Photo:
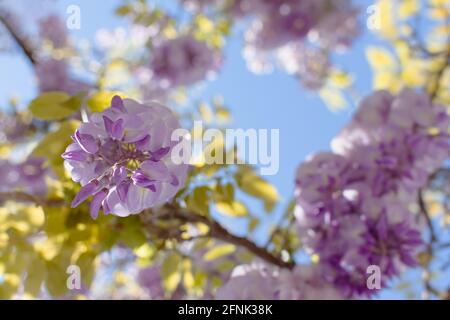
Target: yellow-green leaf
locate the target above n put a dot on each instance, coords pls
(53, 145)
(380, 58)
(256, 186)
(333, 98)
(233, 208)
(170, 272)
(100, 101)
(198, 200)
(35, 277)
(219, 251)
(55, 105)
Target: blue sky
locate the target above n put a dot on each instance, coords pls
(261, 102)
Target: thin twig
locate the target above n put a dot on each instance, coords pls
(21, 41)
(20, 196)
(440, 73)
(219, 232)
(426, 275)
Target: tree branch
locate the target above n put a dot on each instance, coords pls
(219, 232)
(440, 72)
(25, 197)
(21, 41)
(426, 275)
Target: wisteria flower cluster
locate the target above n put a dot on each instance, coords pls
(27, 176)
(52, 72)
(171, 63)
(14, 128)
(150, 279)
(121, 157)
(52, 29)
(53, 75)
(353, 204)
(264, 282)
(182, 61)
(317, 27)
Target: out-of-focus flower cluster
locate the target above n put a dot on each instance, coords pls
(182, 61)
(121, 157)
(53, 30)
(52, 67)
(28, 176)
(14, 128)
(53, 75)
(354, 204)
(263, 282)
(298, 35)
(167, 64)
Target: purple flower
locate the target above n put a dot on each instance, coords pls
(405, 137)
(338, 28)
(299, 35)
(263, 282)
(277, 29)
(311, 65)
(255, 281)
(150, 279)
(353, 205)
(14, 128)
(53, 29)
(53, 75)
(121, 157)
(305, 283)
(28, 176)
(182, 61)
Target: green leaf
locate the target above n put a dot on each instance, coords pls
(219, 251)
(56, 279)
(100, 101)
(132, 234)
(233, 208)
(170, 272)
(123, 10)
(54, 105)
(53, 145)
(333, 98)
(35, 277)
(257, 187)
(86, 262)
(55, 220)
(188, 276)
(253, 223)
(198, 200)
(224, 192)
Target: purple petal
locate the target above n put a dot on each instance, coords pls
(108, 124)
(119, 174)
(96, 203)
(175, 182)
(74, 155)
(115, 129)
(86, 142)
(118, 129)
(85, 192)
(143, 143)
(160, 153)
(117, 103)
(122, 190)
(383, 227)
(155, 170)
(106, 208)
(140, 179)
